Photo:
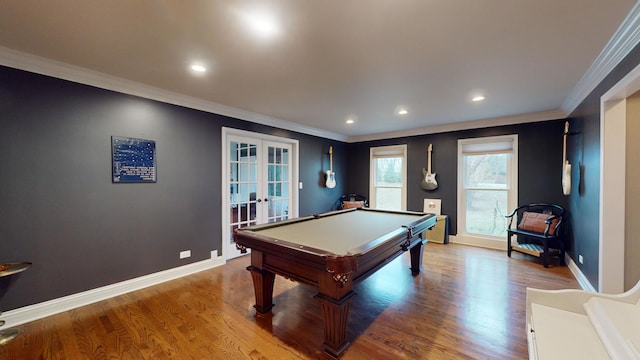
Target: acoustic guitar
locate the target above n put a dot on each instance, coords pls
(566, 166)
(429, 179)
(331, 176)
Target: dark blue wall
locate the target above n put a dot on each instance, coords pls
(584, 152)
(60, 210)
(539, 164)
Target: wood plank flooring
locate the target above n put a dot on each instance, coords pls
(468, 303)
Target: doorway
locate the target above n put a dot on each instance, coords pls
(259, 184)
(614, 261)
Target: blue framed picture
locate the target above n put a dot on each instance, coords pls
(133, 160)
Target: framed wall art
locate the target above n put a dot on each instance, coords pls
(133, 160)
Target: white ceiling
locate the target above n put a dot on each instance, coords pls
(333, 59)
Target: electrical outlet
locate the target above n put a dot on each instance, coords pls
(185, 254)
(580, 259)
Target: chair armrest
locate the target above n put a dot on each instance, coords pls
(510, 216)
(557, 228)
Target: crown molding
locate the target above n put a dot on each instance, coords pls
(623, 41)
(36, 64)
(465, 125)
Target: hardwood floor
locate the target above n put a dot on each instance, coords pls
(468, 303)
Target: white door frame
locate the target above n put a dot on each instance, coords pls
(613, 117)
(226, 133)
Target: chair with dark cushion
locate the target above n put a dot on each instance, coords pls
(538, 231)
(351, 201)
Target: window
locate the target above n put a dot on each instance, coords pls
(388, 178)
(487, 185)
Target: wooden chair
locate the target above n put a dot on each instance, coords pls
(351, 201)
(538, 230)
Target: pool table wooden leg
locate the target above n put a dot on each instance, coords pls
(263, 287)
(335, 314)
(416, 257)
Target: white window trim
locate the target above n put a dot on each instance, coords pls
(388, 151)
(486, 241)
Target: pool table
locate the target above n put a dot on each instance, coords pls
(333, 252)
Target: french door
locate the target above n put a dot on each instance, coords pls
(259, 184)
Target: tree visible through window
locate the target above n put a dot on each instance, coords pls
(488, 169)
(388, 177)
(388, 183)
(485, 182)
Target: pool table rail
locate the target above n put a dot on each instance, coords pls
(334, 275)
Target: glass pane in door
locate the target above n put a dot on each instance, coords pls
(243, 169)
(278, 198)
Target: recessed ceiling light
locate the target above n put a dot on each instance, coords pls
(349, 121)
(265, 25)
(261, 23)
(198, 68)
(477, 98)
(402, 112)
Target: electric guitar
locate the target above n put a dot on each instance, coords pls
(429, 179)
(566, 167)
(331, 176)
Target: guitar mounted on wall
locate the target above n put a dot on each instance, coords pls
(428, 178)
(331, 176)
(566, 166)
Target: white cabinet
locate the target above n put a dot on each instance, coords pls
(576, 324)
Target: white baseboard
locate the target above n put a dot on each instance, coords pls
(585, 284)
(479, 242)
(41, 310)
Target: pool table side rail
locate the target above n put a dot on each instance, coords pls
(381, 256)
(279, 223)
(411, 230)
(330, 213)
(416, 227)
(293, 253)
(255, 238)
(249, 238)
(300, 219)
(338, 212)
(392, 246)
(282, 254)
